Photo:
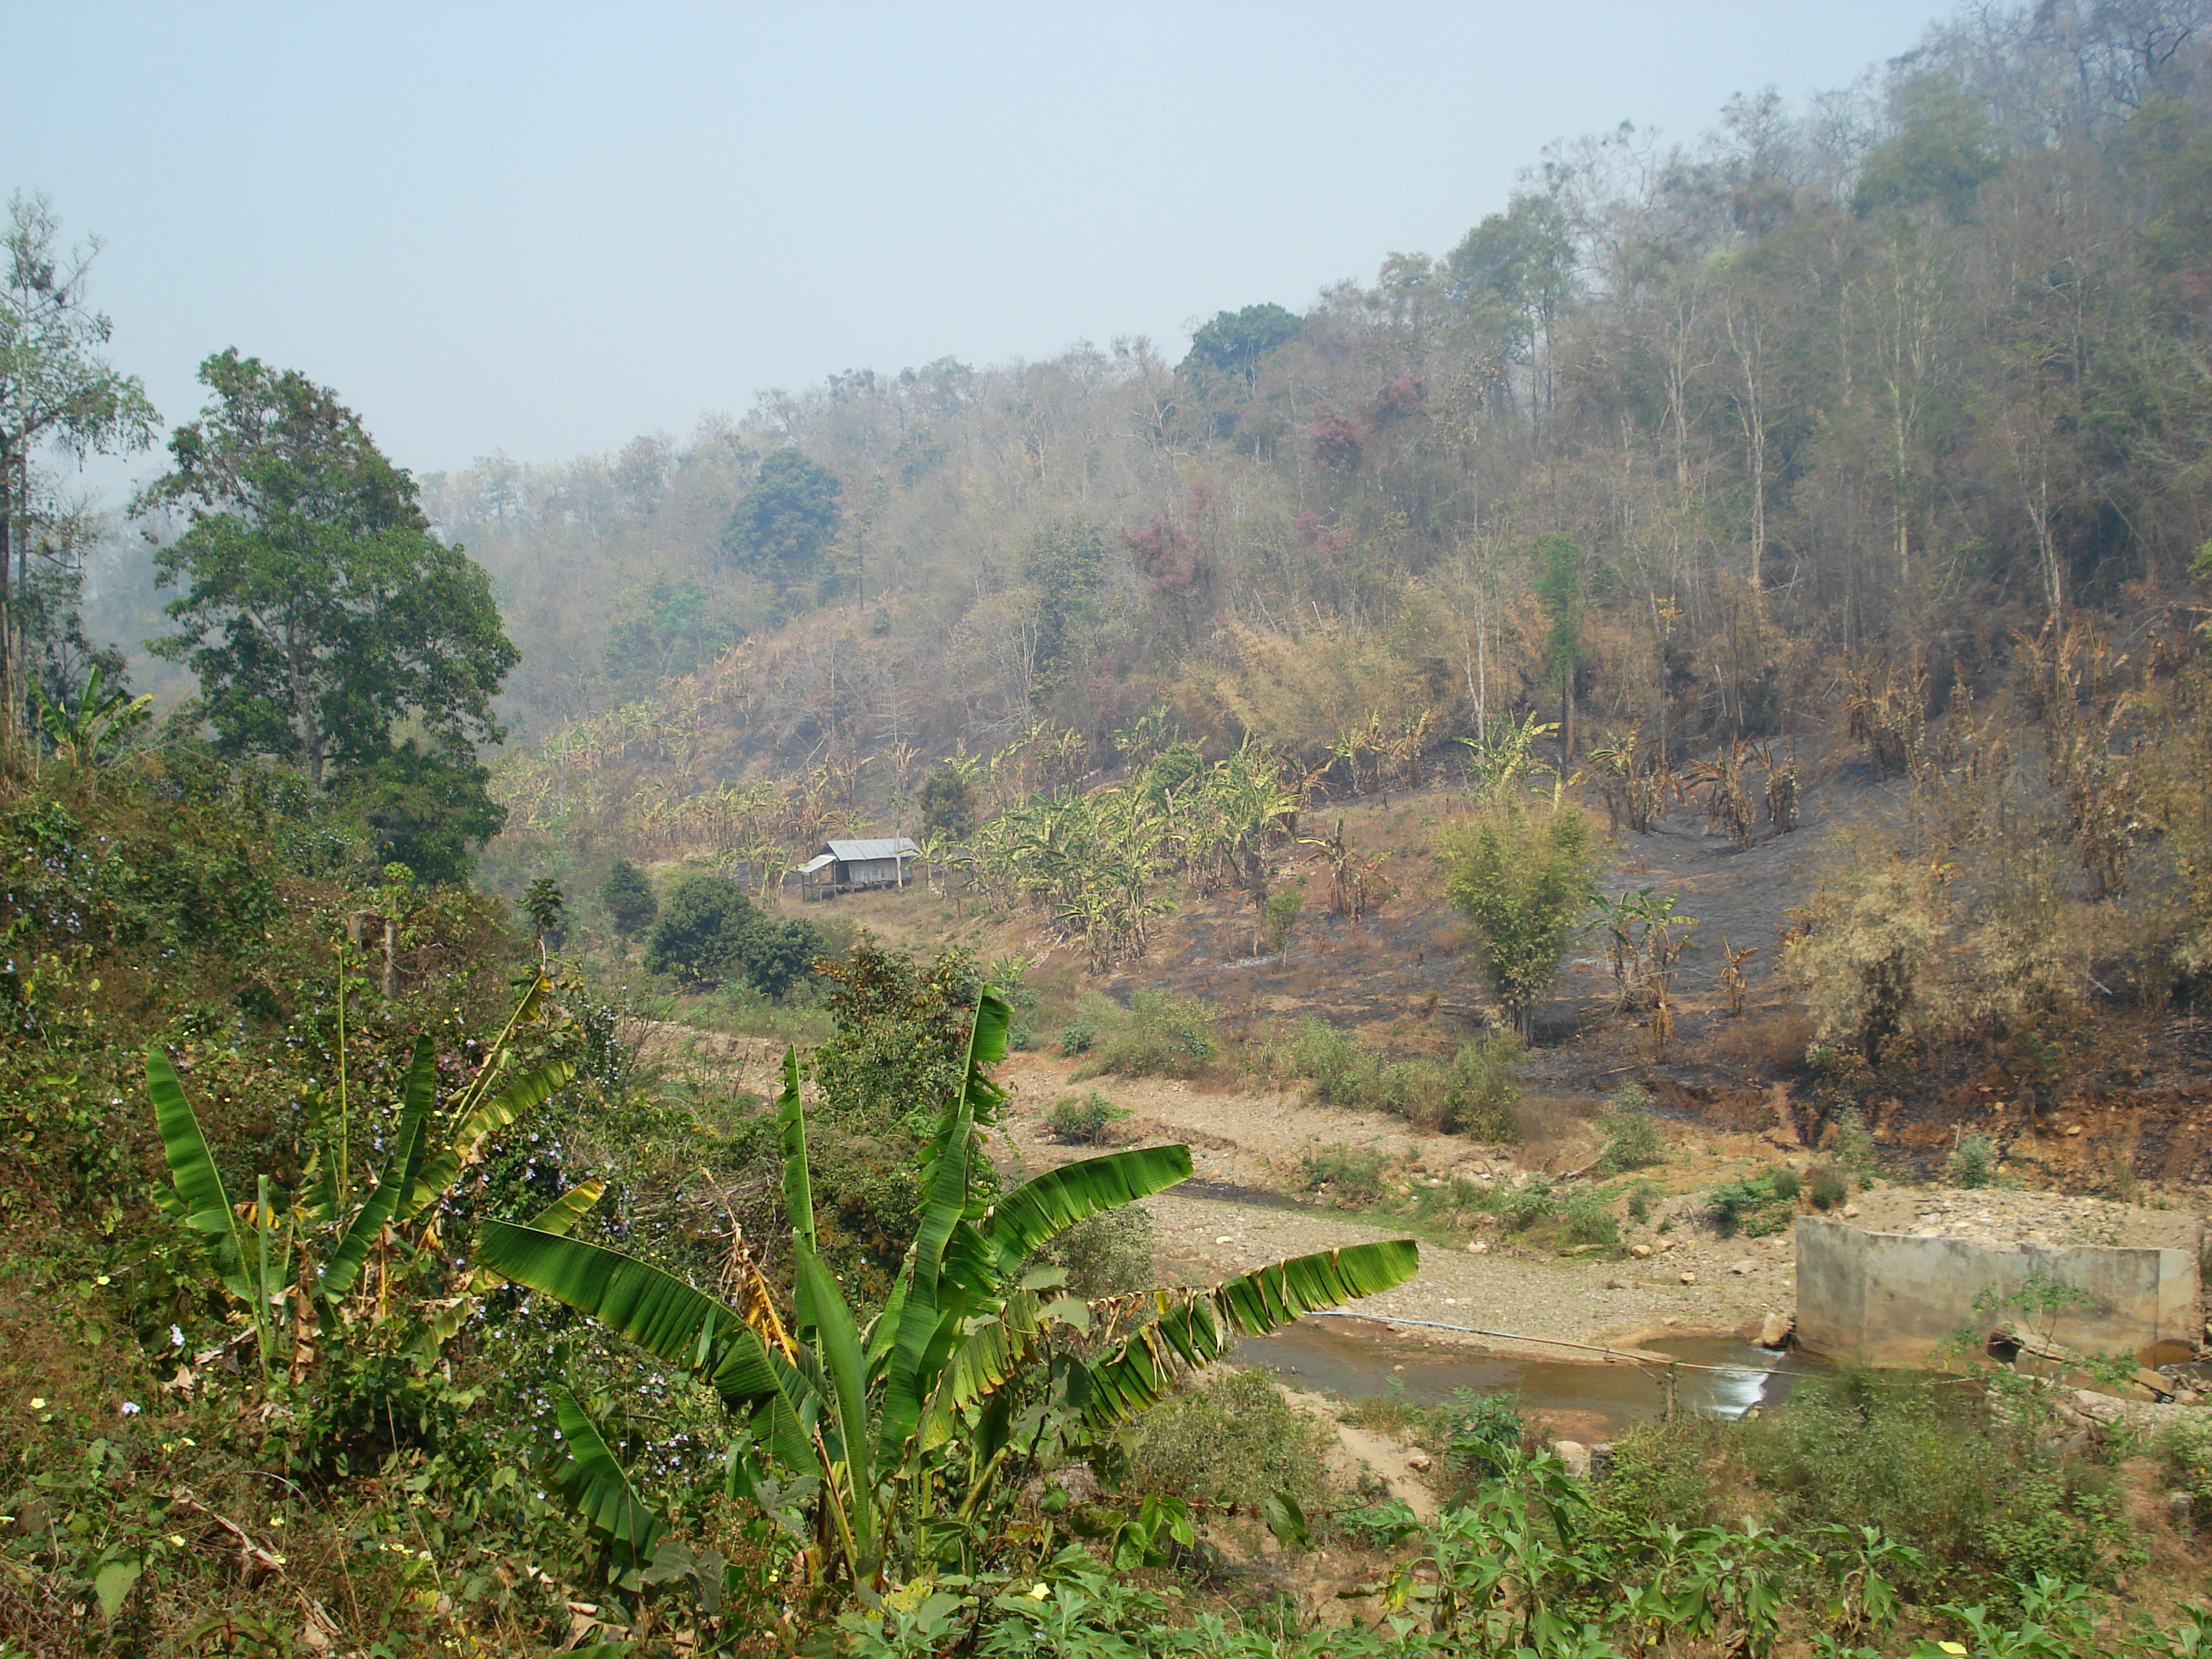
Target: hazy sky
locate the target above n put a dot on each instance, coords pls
(544, 228)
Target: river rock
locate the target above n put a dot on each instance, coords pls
(1744, 1267)
(1477, 1247)
(1689, 1279)
(1419, 1462)
(1639, 1251)
(1576, 1456)
(1774, 1332)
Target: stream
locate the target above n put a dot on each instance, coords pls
(1335, 1358)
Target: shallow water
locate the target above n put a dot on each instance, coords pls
(1333, 1357)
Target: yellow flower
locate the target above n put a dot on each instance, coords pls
(1038, 1592)
(37, 1404)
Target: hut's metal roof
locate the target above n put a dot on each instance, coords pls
(863, 852)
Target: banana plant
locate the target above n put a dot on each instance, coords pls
(253, 1246)
(905, 1427)
(98, 725)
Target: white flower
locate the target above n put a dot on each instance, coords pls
(130, 1408)
(176, 1337)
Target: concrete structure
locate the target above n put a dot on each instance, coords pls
(845, 867)
(1894, 1298)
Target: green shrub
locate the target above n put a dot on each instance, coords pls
(1755, 1206)
(1485, 1430)
(1668, 1474)
(1522, 876)
(1236, 1441)
(1082, 1120)
(1639, 1200)
(1975, 1162)
(1785, 1184)
(1109, 1253)
(1348, 1176)
(709, 931)
(1586, 1220)
(1632, 1138)
(1482, 1096)
(1826, 1186)
(1331, 1060)
(1161, 1034)
(1956, 1472)
(1855, 1143)
(1525, 1206)
(1471, 1094)
(1079, 1038)
(2187, 1451)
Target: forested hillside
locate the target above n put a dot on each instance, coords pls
(1865, 386)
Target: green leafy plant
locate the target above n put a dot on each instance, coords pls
(97, 728)
(1485, 1431)
(332, 1228)
(1974, 1163)
(1633, 1137)
(1522, 875)
(1344, 1174)
(1755, 1206)
(1084, 1120)
(897, 1443)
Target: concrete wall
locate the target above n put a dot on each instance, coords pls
(1894, 1299)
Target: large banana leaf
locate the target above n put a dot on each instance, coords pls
(592, 1480)
(1035, 1212)
(203, 1204)
(400, 1170)
(561, 1216)
(1196, 1329)
(928, 1322)
(840, 1343)
(798, 1187)
(995, 1350)
(654, 1310)
(441, 1170)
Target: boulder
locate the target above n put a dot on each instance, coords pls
(1576, 1456)
(1639, 1251)
(1774, 1331)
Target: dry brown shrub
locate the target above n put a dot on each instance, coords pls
(1760, 1042)
(1545, 1123)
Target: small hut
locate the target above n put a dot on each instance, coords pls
(847, 866)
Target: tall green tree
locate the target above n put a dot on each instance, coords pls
(54, 389)
(320, 611)
(783, 525)
(628, 894)
(1232, 344)
(1523, 874)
